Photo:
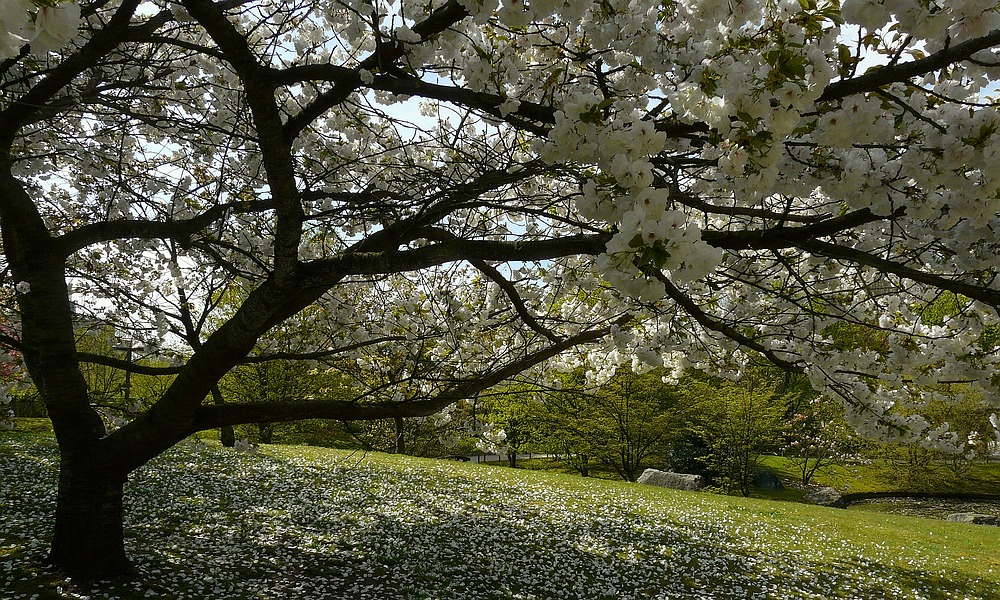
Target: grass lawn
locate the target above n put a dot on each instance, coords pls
(981, 478)
(308, 523)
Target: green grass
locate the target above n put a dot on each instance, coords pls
(31, 425)
(551, 465)
(981, 478)
(303, 522)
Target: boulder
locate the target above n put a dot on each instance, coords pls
(677, 481)
(974, 518)
(766, 480)
(826, 496)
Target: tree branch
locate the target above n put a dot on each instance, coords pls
(180, 230)
(515, 299)
(321, 272)
(275, 149)
(713, 324)
(347, 80)
(212, 416)
(124, 365)
(784, 237)
(26, 109)
(985, 295)
(881, 76)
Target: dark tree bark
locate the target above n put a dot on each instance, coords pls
(227, 435)
(400, 440)
(88, 542)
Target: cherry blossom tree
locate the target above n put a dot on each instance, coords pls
(678, 182)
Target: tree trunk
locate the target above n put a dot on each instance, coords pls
(400, 441)
(227, 435)
(89, 538)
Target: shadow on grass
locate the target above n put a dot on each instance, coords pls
(240, 527)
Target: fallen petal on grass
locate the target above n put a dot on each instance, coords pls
(300, 522)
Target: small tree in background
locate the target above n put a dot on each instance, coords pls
(740, 421)
(624, 424)
(511, 410)
(817, 436)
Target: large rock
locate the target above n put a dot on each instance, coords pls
(826, 496)
(677, 481)
(974, 518)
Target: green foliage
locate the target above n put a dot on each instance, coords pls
(513, 408)
(915, 467)
(118, 394)
(626, 424)
(276, 381)
(738, 421)
(875, 475)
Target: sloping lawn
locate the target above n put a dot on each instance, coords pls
(299, 523)
(979, 478)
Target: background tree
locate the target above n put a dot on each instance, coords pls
(686, 181)
(271, 381)
(739, 421)
(817, 436)
(511, 409)
(624, 424)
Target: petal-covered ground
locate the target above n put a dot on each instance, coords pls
(306, 523)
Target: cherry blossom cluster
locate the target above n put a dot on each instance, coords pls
(45, 26)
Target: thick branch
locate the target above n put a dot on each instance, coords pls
(210, 417)
(318, 273)
(214, 416)
(180, 230)
(124, 365)
(488, 103)
(985, 295)
(786, 237)
(881, 76)
(275, 149)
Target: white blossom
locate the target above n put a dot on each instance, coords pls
(55, 26)
(15, 26)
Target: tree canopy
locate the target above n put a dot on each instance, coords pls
(477, 187)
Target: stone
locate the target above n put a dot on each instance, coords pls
(766, 480)
(826, 496)
(677, 481)
(974, 518)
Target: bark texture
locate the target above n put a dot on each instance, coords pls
(88, 541)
